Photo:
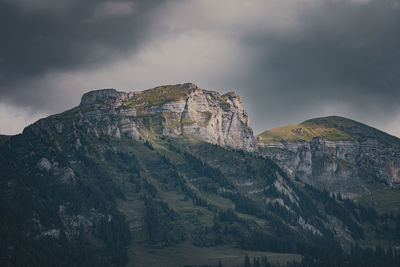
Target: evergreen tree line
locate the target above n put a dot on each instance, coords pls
(357, 257)
(161, 223)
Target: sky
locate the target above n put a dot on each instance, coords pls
(290, 60)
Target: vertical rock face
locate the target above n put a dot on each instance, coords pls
(217, 119)
(174, 111)
(101, 95)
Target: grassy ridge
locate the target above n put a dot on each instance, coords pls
(158, 96)
(302, 132)
(332, 128)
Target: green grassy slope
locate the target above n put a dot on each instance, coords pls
(158, 96)
(333, 128)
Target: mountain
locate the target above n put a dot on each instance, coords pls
(332, 128)
(170, 176)
(340, 155)
(173, 111)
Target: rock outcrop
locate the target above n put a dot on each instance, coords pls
(173, 110)
(366, 156)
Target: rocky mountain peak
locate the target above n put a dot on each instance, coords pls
(97, 95)
(335, 153)
(170, 110)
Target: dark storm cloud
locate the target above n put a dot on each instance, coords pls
(44, 35)
(339, 46)
(343, 55)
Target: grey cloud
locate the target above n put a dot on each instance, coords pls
(342, 54)
(113, 9)
(62, 35)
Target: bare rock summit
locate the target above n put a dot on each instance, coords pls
(171, 110)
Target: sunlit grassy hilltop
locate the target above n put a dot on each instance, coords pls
(333, 128)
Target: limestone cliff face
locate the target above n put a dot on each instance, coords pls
(341, 165)
(174, 111)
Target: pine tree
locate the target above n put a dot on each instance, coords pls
(246, 261)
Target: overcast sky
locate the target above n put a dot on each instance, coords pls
(290, 60)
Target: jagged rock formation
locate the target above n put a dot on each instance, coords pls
(173, 111)
(334, 153)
